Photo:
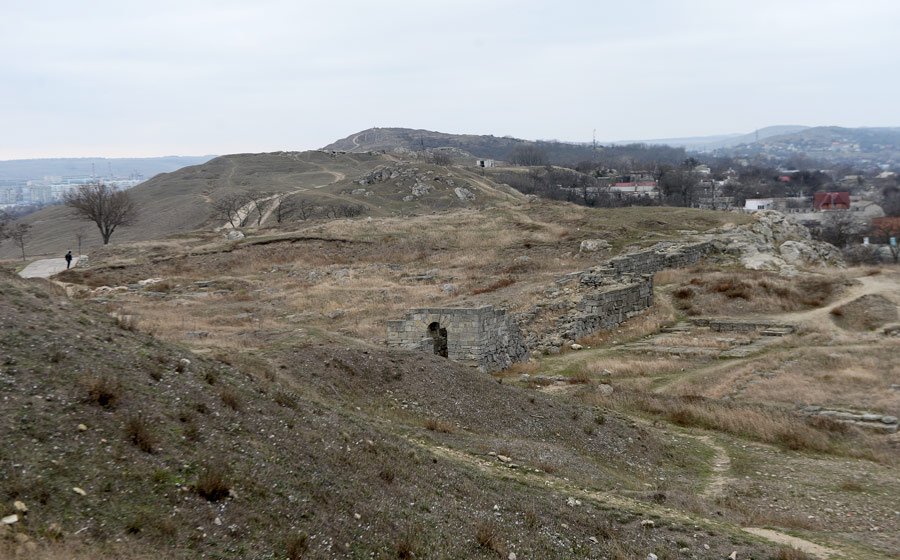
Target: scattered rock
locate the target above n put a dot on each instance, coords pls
(464, 194)
(20, 506)
(503, 458)
(647, 523)
(10, 519)
(605, 389)
(79, 491)
(576, 346)
(652, 556)
(234, 235)
(82, 428)
(593, 245)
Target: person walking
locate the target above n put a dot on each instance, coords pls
(68, 259)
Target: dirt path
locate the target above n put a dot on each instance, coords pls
(886, 284)
(814, 549)
(721, 465)
(248, 208)
(45, 268)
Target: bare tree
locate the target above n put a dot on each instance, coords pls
(20, 234)
(287, 206)
(103, 205)
(528, 154)
(230, 207)
(79, 237)
(304, 208)
(258, 200)
(838, 228)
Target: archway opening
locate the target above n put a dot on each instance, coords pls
(439, 338)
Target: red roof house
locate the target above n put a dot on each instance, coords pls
(831, 201)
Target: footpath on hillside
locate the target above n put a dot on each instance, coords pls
(45, 268)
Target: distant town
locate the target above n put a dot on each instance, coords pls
(52, 188)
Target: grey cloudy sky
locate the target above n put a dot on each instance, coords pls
(141, 78)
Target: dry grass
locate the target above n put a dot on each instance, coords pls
(435, 425)
(488, 536)
(103, 390)
(755, 422)
(634, 366)
(138, 430)
(789, 553)
(213, 483)
(231, 398)
(715, 293)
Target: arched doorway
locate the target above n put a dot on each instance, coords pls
(439, 337)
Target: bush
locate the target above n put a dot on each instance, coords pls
(213, 483)
(861, 254)
(296, 546)
(103, 390)
(138, 430)
(487, 535)
(230, 398)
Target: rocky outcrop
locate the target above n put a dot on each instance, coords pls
(775, 242)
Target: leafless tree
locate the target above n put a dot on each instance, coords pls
(288, 206)
(527, 154)
(838, 228)
(103, 205)
(258, 201)
(20, 233)
(229, 206)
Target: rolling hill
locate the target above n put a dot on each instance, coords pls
(348, 183)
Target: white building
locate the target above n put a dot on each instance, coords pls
(759, 204)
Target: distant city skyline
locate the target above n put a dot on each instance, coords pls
(140, 79)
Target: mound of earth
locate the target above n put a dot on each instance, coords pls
(865, 313)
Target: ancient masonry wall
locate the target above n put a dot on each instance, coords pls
(604, 297)
(481, 337)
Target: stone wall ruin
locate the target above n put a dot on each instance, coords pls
(577, 305)
(482, 337)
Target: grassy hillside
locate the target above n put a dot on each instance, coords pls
(181, 201)
(118, 447)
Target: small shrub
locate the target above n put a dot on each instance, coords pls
(789, 553)
(387, 474)
(285, 399)
(407, 545)
(138, 430)
(580, 378)
(230, 398)
(851, 486)
(683, 293)
(435, 425)
(501, 283)
(213, 483)
(103, 390)
(296, 546)
(487, 535)
(56, 355)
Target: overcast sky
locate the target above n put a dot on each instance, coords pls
(186, 77)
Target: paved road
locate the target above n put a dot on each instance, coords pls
(45, 268)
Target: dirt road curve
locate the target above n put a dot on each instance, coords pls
(45, 268)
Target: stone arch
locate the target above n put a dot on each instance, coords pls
(439, 337)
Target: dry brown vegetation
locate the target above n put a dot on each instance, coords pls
(756, 422)
(709, 292)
